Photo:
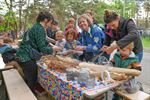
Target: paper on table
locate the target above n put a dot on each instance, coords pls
(2, 64)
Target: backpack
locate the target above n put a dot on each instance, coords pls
(9, 55)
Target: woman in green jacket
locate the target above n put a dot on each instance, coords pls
(37, 38)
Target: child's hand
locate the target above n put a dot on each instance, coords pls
(77, 52)
(80, 48)
(55, 48)
(70, 51)
(1, 44)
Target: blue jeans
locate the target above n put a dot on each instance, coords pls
(139, 56)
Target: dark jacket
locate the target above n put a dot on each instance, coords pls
(51, 33)
(125, 34)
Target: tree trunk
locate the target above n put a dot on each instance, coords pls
(25, 22)
(7, 4)
(137, 19)
(146, 20)
(11, 5)
(20, 14)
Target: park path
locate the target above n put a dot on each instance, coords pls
(145, 75)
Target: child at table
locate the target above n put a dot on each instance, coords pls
(71, 24)
(5, 44)
(125, 58)
(61, 42)
(72, 43)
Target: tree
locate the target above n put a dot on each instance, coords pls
(10, 14)
(25, 12)
(9, 4)
(64, 9)
(9, 23)
(30, 12)
(147, 10)
(130, 8)
(117, 6)
(20, 3)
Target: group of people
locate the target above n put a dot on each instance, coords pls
(47, 38)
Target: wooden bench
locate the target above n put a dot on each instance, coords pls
(139, 95)
(16, 88)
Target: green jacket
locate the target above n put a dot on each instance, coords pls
(37, 36)
(118, 62)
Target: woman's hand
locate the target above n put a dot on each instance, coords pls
(111, 48)
(50, 40)
(104, 48)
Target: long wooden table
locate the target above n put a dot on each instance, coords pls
(60, 88)
(96, 92)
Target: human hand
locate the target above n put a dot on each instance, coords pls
(78, 52)
(51, 44)
(111, 48)
(70, 51)
(80, 48)
(1, 44)
(50, 40)
(104, 48)
(56, 49)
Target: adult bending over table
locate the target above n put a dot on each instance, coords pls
(37, 37)
(124, 33)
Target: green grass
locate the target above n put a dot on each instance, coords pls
(146, 42)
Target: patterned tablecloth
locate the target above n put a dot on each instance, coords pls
(55, 83)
